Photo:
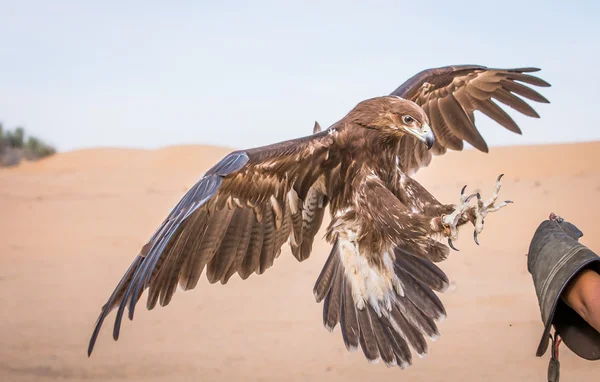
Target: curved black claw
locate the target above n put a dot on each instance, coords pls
(499, 177)
(452, 245)
(475, 237)
(470, 196)
(462, 192)
(508, 201)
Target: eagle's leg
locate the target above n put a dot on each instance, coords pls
(446, 217)
(452, 221)
(483, 208)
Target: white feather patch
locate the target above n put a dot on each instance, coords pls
(293, 201)
(371, 285)
(277, 211)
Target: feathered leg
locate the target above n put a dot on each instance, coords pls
(417, 198)
(476, 214)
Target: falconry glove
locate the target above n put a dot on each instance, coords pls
(555, 256)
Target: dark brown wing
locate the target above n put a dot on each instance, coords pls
(450, 95)
(234, 220)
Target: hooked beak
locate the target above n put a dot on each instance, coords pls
(424, 134)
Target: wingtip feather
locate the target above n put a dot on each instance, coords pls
(391, 364)
(329, 328)
(441, 318)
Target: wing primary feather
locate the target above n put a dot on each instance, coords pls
(157, 243)
(156, 277)
(523, 90)
(125, 280)
(529, 79)
(524, 70)
(459, 123)
(515, 102)
(489, 108)
(137, 284)
(441, 130)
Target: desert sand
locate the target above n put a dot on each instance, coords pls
(70, 226)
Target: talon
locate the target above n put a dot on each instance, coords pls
(508, 201)
(499, 177)
(452, 245)
(470, 196)
(463, 190)
(475, 237)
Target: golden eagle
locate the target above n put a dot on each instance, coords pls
(379, 280)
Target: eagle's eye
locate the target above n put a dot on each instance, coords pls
(408, 119)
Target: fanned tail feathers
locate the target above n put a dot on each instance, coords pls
(390, 320)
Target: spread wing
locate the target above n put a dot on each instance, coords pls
(235, 219)
(450, 95)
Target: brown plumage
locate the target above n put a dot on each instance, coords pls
(450, 95)
(379, 280)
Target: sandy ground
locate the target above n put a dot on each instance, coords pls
(70, 226)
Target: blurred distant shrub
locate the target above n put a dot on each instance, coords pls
(10, 157)
(16, 137)
(14, 146)
(35, 149)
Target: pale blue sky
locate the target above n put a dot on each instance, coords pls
(248, 73)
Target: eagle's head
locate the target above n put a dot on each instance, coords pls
(395, 117)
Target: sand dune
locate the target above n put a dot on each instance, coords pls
(70, 225)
